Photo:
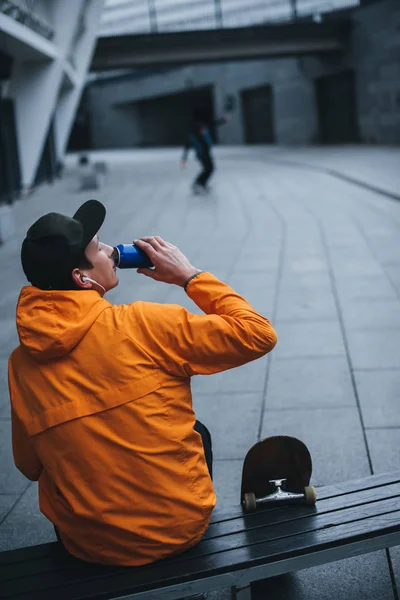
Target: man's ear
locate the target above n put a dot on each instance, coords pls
(77, 278)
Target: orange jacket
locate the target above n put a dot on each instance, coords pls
(102, 413)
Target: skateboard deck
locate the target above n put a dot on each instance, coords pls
(277, 469)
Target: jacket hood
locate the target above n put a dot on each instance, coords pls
(51, 323)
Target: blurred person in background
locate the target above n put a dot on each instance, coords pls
(201, 140)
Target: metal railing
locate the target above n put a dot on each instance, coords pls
(151, 16)
(26, 17)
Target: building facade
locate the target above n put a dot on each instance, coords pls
(45, 50)
(345, 97)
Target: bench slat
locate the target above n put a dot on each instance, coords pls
(127, 582)
(235, 511)
(263, 545)
(325, 492)
(295, 512)
(36, 562)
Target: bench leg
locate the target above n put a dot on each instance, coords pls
(241, 593)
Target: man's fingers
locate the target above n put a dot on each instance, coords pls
(153, 241)
(147, 248)
(161, 241)
(149, 273)
(148, 245)
(150, 240)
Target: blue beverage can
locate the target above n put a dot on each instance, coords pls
(129, 256)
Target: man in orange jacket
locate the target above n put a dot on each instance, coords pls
(101, 403)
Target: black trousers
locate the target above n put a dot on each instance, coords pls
(208, 168)
(207, 445)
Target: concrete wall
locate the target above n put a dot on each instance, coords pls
(112, 101)
(376, 58)
(373, 55)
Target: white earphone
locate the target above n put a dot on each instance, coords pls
(86, 278)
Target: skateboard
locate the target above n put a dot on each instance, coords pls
(277, 470)
(199, 190)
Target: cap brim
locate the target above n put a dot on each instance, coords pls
(91, 215)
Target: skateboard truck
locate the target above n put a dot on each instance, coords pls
(308, 496)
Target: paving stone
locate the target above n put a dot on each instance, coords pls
(374, 348)
(5, 411)
(8, 303)
(9, 337)
(6, 503)
(384, 447)
(344, 243)
(258, 262)
(393, 272)
(312, 305)
(206, 384)
(360, 287)
(295, 282)
(309, 339)
(365, 577)
(385, 246)
(378, 393)
(333, 437)
(227, 478)
(367, 314)
(247, 378)
(371, 166)
(233, 421)
(4, 393)
(307, 264)
(11, 480)
(306, 383)
(258, 290)
(348, 269)
(25, 525)
(395, 557)
(245, 282)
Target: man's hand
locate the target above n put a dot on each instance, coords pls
(170, 264)
(183, 164)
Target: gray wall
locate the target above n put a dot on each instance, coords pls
(374, 55)
(112, 102)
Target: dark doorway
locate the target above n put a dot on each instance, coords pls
(47, 168)
(167, 120)
(10, 178)
(337, 112)
(81, 133)
(258, 115)
(5, 66)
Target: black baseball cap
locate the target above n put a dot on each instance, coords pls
(55, 244)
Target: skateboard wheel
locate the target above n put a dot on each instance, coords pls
(250, 503)
(310, 495)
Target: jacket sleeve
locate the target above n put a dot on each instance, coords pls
(25, 457)
(230, 334)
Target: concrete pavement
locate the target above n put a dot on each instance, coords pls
(319, 256)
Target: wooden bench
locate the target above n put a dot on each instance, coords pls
(349, 519)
